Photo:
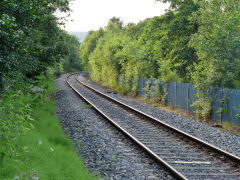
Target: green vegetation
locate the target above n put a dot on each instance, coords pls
(194, 41)
(34, 49)
(88, 106)
(159, 96)
(203, 105)
(72, 61)
(147, 90)
(217, 44)
(238, 112)
(47, 153)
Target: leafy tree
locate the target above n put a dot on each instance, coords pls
(89, 45)
(217, 44)
(117, 21)
(174, 4)
(104, 67)
(72, 62)
(30, 36)
(165, 39)
(178, 33)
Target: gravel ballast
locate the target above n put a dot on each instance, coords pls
(217, 137)
(170, 147)
(103, 149)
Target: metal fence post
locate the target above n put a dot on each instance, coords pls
(175, 94)
(221, 104)
(187, 98)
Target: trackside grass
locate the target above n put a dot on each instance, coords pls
(46, 152)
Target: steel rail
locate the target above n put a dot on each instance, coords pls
(155, 156)
(226, 154)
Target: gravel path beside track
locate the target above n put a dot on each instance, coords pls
(103, 149)
(226, 141)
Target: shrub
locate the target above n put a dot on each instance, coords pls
(147, 90)
(203, 106)
(238, 112)
(15, 118)
(16, 105)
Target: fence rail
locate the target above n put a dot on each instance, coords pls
(183, 95)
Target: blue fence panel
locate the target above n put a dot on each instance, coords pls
(153, 88)
(140, 87)
(118, 79)
(171, 94)
(227, 114)
(182, 96)
(232, 98)
(192, 93)
(144, 84)
(216, 104)
(163, 84)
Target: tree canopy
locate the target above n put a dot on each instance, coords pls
(217, 44)
(195, 41)
(30, 37)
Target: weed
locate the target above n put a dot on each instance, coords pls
(116, 157)
(203, 106)
(223, 105)
(135, 83)
(88, 106)
(238, 112)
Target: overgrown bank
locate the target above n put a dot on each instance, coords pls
(43, 151)
(33, 48)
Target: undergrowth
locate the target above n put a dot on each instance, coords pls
(33, 144)
(147, 90)
(203, 106)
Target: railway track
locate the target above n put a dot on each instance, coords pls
(184, 155)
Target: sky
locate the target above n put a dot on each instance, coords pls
(93, 14)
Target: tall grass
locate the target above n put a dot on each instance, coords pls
(44, 151)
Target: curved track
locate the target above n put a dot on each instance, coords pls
(184, 155)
